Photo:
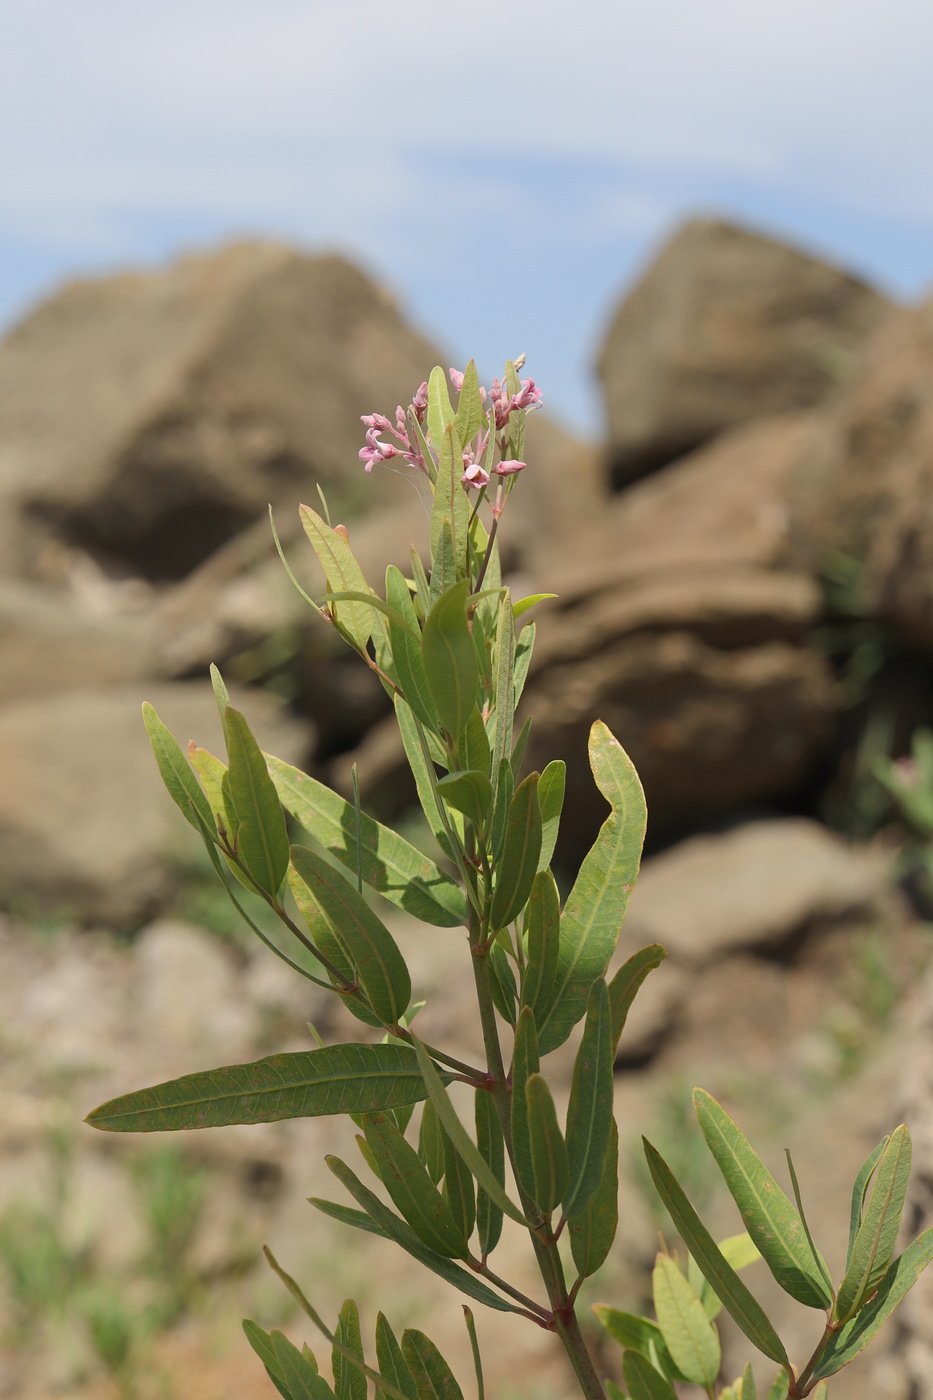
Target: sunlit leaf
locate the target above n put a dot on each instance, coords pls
(390, 1359)
(551, 799)
(450, 660)
(177, 775)
(877, 1235)
(262, 836)
(433, 1377)
(691, 1338)
(517, 866)
(342, 572)
(897, 1282)
(589, 1113)
(416, 1197)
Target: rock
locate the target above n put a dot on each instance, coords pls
(149, 416)
(85, 823)
(866, 486)
(759, 886)
(725, 325)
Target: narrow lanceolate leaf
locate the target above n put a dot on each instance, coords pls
(468, 792)
(741, 1305)
(627, 982)
(548, 1150)
(518, 864)
(380, 966)
(691, 1338)
(779, 1386)
(524, 646)
(860, 1191)
(221, 695)
(263, 1346)
(450, 659)
(211, 772)
(505, 787)
(551, 799)
(473, 748)
(416, 1198)
(589, 1113)
(738, 1251)
(431, 1142)
(542, 932)
(440, 410)
(639, 1334)
(769, 1217)
(459, 1191)
(593, 1230)
(299, 1373)
(642, 1381)
(877, 1235)
(451, 507)
(491, 1144)
(746, 1389)
(406, 649)
(302, 1084)
(596, 906)
(346, 1215)
(900, 1278)
(177, 775)
(390, 864)
(525, 1063)
(433, 1377)
(390, 1359)
(418, 763)
(342, 572)
(349, 1380)
(460, 1137)
(398, 1230)
(502, 986)
(262, 837)
(470, 415)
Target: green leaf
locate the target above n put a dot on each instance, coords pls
(517, 866)
(746, 1388)
(403, 1235)
(458, 1189)
(221, 695)
(418, 763)
(639, 1334)
(390, 1359)
(860, 1191)
(431, 1142)
(211, 772)
(381, 968)
(299, 1374)
(779, 1386)
(450, 659)
(262, 1345)
(502, 983)
(739, 1251)
(416, 1197)
(877, 1235)
(521, 744)
(468, 792)
(642, 1381)
(346, 1215)
(596, 906)
(542, 930)
(369, 599)
(502, 685)
(406, 649)
(525, 1063)
(769, 1217)
(548, 1150)
(262, 837)
(550, 799)
(349, 1380)
(745, 1310)
(473, 748)
(524, 604)
(524, 646)
(451, 508)
(470, 414)
(505, 787)
(390, 864)
(589, 1114)
(459, 1136)
(845, 1345)
(691, 1338)
(177, 775)
(301, 1084)
(491, 1145)
(433, 1377)
(440, 411)
(593, 1229)
(627, 982)
(613, 1391)
(342, 572)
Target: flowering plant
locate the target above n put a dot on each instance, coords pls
(446, 646)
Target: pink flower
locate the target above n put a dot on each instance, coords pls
(529, 396)
(475, 475)
(509, 467)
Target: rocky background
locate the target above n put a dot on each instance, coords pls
(745, 579)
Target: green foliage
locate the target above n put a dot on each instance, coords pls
(445, 647)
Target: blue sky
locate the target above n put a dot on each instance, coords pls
(504, 167)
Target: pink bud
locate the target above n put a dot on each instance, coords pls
(475, 476)
(456, 378)
(420, 402)
(509, 468)
(341, 530)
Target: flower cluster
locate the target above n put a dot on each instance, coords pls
(378, 451)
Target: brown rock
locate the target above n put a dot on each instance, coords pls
(865, 488)
(86, 825)
(725, 325)
(151, 415)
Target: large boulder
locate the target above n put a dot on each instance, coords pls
(725, 325)
(86, 826)
(149, 416)
(865, 487)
